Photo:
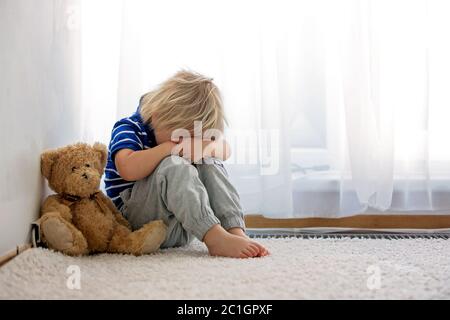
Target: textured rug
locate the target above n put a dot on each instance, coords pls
(297, 269)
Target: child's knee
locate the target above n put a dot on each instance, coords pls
(215, 168)
(175, 163)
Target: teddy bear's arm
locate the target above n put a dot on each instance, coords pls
(119, 218)
(53, 203)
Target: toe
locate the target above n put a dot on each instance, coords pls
(256, 251)
(261, 249)
(265, 251)
(248, 253)
(243, 255)
(253, 249)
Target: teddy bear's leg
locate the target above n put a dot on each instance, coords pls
(147, 239)
(61, 235)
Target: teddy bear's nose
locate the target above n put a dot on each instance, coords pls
(85, 176)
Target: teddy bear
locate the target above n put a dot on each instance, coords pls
(79, 219)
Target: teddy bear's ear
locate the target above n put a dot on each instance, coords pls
(48, 158)
(100, 148)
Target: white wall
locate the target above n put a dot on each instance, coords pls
(39, 98)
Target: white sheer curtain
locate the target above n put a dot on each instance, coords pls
(335, 107)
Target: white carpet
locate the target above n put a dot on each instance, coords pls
(297, 269)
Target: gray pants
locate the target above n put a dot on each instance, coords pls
(190, 199)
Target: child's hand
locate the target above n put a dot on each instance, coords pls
(192, 149)
(195, 149)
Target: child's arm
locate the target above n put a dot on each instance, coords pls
(136, 165)
(219, 149)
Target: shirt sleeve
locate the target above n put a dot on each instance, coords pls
(124, 136)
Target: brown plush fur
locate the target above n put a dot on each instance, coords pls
(80, 219)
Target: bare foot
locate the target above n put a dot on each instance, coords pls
(240, 233)
(224, 244)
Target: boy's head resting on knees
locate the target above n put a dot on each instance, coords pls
(181, 101)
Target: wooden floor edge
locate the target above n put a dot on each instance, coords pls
(13, 253)
(358, 222)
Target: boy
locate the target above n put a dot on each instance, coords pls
(154, 174)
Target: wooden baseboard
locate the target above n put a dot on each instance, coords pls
(358, 222)
(13, 253)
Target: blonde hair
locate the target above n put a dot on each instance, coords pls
(182, 99)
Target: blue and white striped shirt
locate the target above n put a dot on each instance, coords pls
(128, 133)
